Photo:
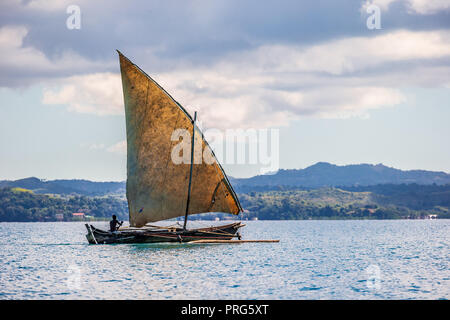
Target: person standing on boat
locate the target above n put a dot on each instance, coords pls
(114, 224)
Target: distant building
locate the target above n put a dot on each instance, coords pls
(432, 216)
(59, 216)
(78, 216)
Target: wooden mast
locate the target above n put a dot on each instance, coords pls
(190, 172)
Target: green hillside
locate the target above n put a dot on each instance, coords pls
(376, 202)
(18, 204)
(324, 174)
(371, 202)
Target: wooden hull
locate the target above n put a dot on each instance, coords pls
(160, 234)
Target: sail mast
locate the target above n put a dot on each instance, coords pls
(190, 172)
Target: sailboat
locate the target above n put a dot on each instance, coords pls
(158, 189)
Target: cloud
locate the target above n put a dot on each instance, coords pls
(255, 88)
(246, 106)
(42, 5)
(258, 106)
(429, 6)
(98, 93)
(266, 84)
(274, 84)
(22, 65)
(119, 148)
(350, 54)
(48, 50)
(96, 146)
(50, 5)
(424, 7)
(17, 58)
(382, 4)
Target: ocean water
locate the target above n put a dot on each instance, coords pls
(400, 259)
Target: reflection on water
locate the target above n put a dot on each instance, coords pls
(314, 260)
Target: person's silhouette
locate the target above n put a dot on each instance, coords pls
(114, 224)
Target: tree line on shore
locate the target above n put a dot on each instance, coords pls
(21, 205)
(387, 201)
(384, 201)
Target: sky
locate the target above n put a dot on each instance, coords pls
(344, 82)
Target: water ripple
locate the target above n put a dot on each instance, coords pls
(314, 260)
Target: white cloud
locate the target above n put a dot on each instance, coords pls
(272, 85)
(119, 148)
(350, 54)
(29, 64)
(96, 146)
(252, 106)
(14, 56)
(383, 4)
(42, 5)
(429, 6)
(256, 88)
(12, 36)
(98, 93)
(424, 7)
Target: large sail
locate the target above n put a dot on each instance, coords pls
(157, 187)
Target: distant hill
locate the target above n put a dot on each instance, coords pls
(22, 205)
(321, 191)
(321, 174)
(67, 187)
(324, 174)
(387, 201)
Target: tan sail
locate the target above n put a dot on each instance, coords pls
(157, 187)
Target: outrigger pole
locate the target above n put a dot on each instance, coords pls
(190, 172)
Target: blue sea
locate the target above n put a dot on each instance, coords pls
(399, 259)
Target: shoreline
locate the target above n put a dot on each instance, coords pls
(349, 219)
